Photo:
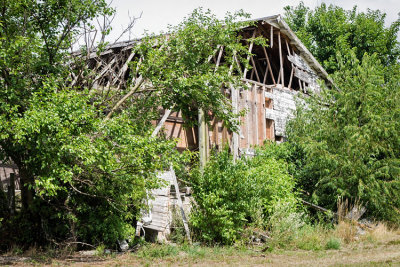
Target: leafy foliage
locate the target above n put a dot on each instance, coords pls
(231, 195)
(331, 30)
(349, 139)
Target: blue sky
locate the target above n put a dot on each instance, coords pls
(156, 15)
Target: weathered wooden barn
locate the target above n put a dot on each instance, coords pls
(279, 72)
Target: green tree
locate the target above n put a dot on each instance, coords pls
(348, 138)
(331, 30)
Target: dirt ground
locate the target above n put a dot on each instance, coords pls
(384, 254)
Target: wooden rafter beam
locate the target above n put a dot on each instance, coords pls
(269, 65)
(124, 68)
(255, 68)
(250, 50)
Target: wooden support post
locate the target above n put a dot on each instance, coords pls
(180, 204)
(263, 115)
(248, 116)
(234, 98)
(202, 139)
(271, 39)
(11, 194)
(203, 131)
(255, 114)
(235, 136)
(280, 59)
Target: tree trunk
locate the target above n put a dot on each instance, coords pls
(27, 193)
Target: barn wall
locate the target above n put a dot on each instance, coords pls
(282, 108)
(268, 111)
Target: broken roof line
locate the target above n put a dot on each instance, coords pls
(278, 22)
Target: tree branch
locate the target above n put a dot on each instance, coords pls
(131, 92)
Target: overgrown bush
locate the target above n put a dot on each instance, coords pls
(349, 141)
(231, 195)
(91, 175)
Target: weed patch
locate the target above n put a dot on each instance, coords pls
(333, 243)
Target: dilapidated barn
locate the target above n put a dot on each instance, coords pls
(279, 72)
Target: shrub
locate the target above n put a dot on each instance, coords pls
(231, 195)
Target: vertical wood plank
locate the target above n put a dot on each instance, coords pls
(281, 59)
(263, 114)
(202, 139)
(255, 116)
(235, 135)
(271, 39)
(248, 118)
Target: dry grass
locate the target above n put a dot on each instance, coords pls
(381, 233)
(346, 231)
(350, 230)
(379, 255)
